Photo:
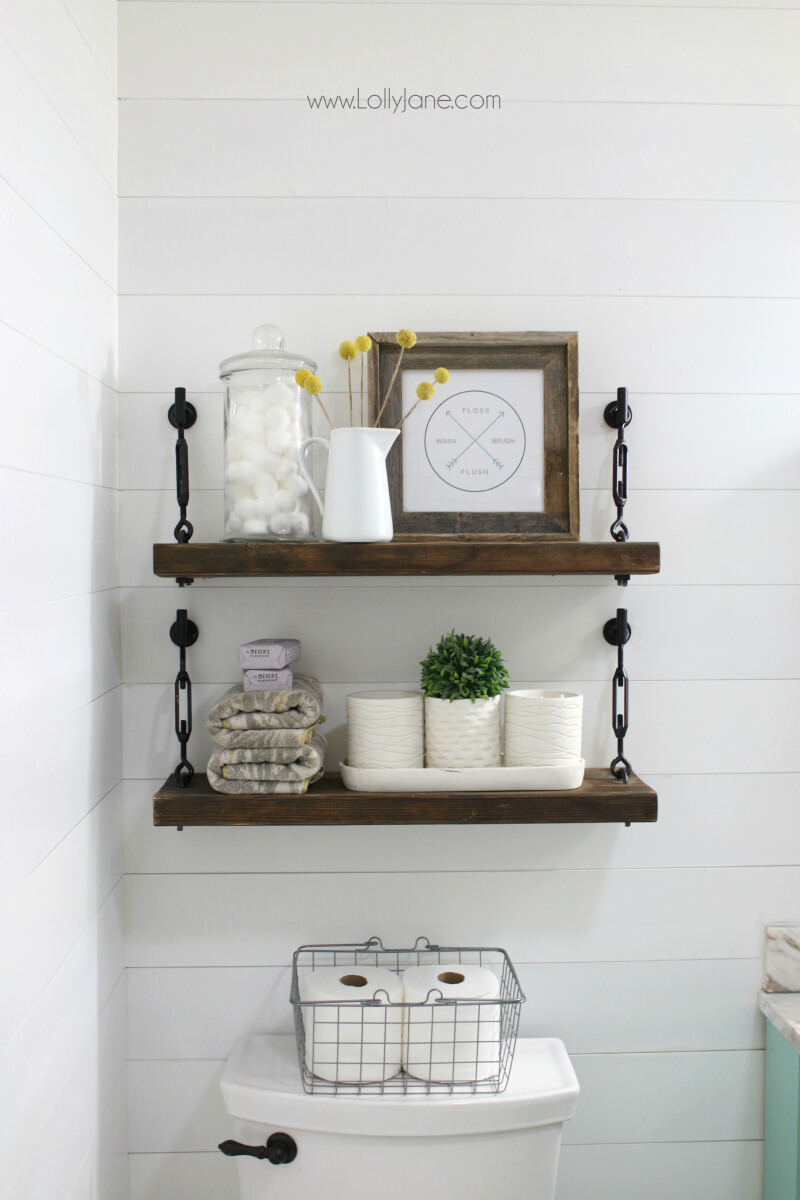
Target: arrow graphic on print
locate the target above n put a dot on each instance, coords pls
(475, 441)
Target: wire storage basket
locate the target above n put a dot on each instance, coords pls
(393, 1038)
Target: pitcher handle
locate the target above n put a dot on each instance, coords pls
(301, 456)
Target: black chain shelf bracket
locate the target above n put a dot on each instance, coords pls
(618, 415)
(617, 632)
(182, 416)
(183, 633)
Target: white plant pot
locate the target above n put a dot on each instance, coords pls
(384, 729)
(542, 729)
(462, 733)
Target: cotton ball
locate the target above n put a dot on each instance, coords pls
(281, 524)
(234, 524)
(280, 393)
(256, 452)
(278, 440)
(301, 526)
(266, 506)
(259, 403)
(246, 507)
(247, 423)
(234, 446)
(285, 501)
(277, 418)
(238, 491)
(242, 472)
(266, 487)
(255, 525)
(286, 467)
(296, 485)
(247, 398)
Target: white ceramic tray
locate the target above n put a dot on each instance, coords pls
(563, 778)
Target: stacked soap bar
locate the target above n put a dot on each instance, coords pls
(265, 664)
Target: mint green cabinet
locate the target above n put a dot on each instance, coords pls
(782, 1119)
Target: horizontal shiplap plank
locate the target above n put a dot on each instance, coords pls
(177, 1106)
(77, 643)
(681, 152)
(707, 537)
(649, 54)
(52, 172)
(669, 1006)
(653, 345)
(81, 425)
(681, 633)
(38, 1062)
(685, 728)
(718, 809)
(74, 549)
(86, 1117)
(50, 294)
(672, 248)
(713, 1170)
(662, 457)
(540, 916)
(83, 748)
(97, 22)
(47, 914)
(54, 50)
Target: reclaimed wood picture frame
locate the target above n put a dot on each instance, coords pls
(495, 451)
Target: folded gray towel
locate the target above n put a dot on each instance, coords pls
(258, 772)
(267, 719)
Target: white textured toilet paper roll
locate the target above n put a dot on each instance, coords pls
(451, 1043)
(348, 1041)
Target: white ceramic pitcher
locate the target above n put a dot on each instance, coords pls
(357, 506)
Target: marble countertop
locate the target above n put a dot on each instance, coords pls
(783, 1010)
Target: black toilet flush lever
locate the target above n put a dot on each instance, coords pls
(279, 1149)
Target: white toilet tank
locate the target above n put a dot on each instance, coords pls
(412, 1147)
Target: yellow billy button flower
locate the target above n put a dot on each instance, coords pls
(441, 374)
(363, 344)
(313, 384)
(425, 391)
(348, 351)
(406, 338)
(301, 377)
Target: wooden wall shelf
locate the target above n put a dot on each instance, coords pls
(601, 798)
(441, 556)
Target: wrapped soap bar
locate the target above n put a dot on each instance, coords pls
(269, 652)
(268, 681)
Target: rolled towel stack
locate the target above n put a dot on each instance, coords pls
(269, 741)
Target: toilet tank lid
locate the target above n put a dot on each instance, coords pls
(261, 1083)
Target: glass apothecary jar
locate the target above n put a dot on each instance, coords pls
(267, 416)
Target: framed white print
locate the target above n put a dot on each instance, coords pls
(496, 450)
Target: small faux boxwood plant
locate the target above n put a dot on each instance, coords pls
(463, 667)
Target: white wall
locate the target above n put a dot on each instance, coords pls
(63, 1006)
(638, 185)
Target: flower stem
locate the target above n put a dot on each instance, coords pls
(350, 386)
(362, 389)
(391, 385)
(399, 424)
(318, 399)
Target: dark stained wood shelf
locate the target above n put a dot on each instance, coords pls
(438, 556)
(601, 798)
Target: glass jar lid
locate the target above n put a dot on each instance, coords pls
(267, 352)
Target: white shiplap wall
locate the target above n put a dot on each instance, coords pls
(63, 995)
(638, 185)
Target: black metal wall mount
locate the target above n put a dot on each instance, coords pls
(184, 633)
(617, 631)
